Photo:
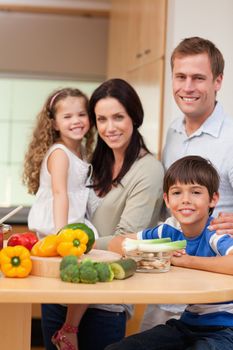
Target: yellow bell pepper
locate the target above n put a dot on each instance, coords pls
(72, 242)
(15, 261)
(45, 247)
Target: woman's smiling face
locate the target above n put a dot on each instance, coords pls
(114, 125)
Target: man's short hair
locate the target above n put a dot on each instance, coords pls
(192, 170)
(196, 45)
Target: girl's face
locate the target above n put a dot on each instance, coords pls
(114, 124)
(71, 119)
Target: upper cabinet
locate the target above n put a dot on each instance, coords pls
(118, 42)
(146, 31)
(136, 54)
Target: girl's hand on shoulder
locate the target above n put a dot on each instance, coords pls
(223, 224)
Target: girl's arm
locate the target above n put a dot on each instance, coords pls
(58, 165)
(219, 264)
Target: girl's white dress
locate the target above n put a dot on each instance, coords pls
(82, 200)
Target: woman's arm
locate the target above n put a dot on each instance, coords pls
(219, 264)
(58, 164)
(143, 201)
(222, 224)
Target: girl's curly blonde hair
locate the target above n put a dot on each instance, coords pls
(44, 136)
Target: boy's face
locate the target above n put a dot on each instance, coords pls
(189, 204)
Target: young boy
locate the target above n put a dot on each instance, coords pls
(191, 193)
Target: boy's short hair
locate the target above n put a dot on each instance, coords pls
(190, 170)
(196, 45)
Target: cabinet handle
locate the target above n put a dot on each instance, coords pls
(138, 55)
(147, 51)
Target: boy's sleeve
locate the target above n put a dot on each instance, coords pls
(170, 228)
(221, 244)
(150, 233)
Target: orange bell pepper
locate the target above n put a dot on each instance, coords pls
(46, 247)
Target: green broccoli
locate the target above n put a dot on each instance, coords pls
(87, 262)
(67, 260)
(88, 274)
(104, 271)
(70, 273)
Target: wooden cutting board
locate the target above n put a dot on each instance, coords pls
(49, 267)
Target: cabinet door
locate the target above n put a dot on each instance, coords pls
(147, 27)
(153, 29)
(117, 42)
(135, 34)
(148, 82)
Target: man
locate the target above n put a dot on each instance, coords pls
(204, 129)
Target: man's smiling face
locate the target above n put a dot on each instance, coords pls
(194, 87)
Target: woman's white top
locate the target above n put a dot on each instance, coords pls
(82, 200)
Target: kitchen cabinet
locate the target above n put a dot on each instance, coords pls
(136, 54)
(117, 43)
(146, 31)
(148, 82)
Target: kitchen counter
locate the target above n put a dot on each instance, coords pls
(178, 286)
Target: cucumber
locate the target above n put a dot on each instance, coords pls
(123, 268)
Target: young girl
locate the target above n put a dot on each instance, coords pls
(56, 171)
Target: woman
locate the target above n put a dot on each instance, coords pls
(128, 180)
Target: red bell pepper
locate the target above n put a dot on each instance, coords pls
(26, 239)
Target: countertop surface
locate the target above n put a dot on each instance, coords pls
(178, 286)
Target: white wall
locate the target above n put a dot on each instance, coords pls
(210, 19)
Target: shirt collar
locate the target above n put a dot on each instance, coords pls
(211, 126)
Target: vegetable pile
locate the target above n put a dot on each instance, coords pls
(73, 239)
(88, 271)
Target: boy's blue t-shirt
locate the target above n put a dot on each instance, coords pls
(207, 244)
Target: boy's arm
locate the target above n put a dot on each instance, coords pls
(219, 264)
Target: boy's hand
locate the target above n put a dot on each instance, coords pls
(222, 224)
(181, 260)
(179, 252)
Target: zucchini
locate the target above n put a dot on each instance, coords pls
(123, 268)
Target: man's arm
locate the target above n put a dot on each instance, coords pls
(219, 264)
(222, 224)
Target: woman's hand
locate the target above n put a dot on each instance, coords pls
(222, 224)
(115, 245)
